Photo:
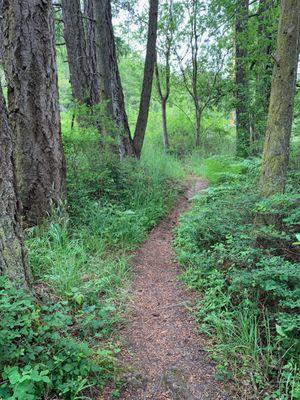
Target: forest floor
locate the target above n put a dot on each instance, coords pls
(166, 353)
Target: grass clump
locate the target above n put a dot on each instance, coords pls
(250, 289)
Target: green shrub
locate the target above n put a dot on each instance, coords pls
(250, 288)
(38, 356)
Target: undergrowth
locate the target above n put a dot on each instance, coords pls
(248, 276)
(59, 345)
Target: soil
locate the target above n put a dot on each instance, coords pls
(163, 347)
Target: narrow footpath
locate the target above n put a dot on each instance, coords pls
(162, 344)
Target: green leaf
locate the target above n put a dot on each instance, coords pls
(13, 375)
(280, 331)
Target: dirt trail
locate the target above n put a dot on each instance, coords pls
(167, 355)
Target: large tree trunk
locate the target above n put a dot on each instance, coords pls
(30, 66)
(278, 134)
(91, 51)
(142, 120)
(111, 90)
(74, 35)
(1, 32)
(241, 78)
(12, 256)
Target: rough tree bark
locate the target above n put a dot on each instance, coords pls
(91, 51)
(280, 116)
(12, 256)
(74, 35)
(142, 120)
(30, 66)
(1, 32)
(241, 79)
(111, 90)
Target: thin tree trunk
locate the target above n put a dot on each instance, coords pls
(195, 92)
(278, 134)
(163, 99)
(30, 66)
(198, 126)
(242, 85)
(111, 90)
(142, 120)
(12, 255)
(74, 35)
(164, 123)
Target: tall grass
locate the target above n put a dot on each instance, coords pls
(111, 206)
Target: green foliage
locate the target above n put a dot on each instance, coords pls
(217, 135)
(218, 169)
(40, 353)
(248, 276)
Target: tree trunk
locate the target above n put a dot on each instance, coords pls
(30, 66)
(266, 43)
(91, 51)
(76, 48)
(111, 90)
(142, 120)
(164, 123)
(198, 127)
(241, 78)
(12, 256)
(278, 134)
(1, 33)
(164, 98)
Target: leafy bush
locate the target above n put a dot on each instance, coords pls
(250, 288)
(38, 356)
